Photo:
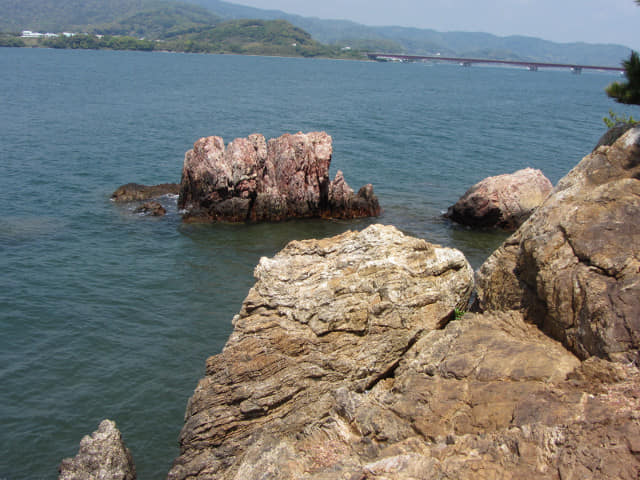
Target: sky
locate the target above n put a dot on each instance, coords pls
(591, 21)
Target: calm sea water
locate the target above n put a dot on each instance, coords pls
(107, 314)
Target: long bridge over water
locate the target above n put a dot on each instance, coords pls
(467, 62)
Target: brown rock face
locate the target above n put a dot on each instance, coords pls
(504, 201)
(102, 456)
(252, 180)
(574, 267)
(325, 316)
(345, 363)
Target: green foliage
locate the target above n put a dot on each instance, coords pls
(381, 45)
(253, 37)
(91, 42)
(65, 15)
(248, 37)
(628, 92)
(458, 313)
(157, 25)
(162, 22)
(7, 40)
(614, 119)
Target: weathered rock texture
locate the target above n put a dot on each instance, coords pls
(613, 134)
(504, 201)
(102, 456)
(325, 317)
(574, 266)
(133, 192)
(345, 363)
(252, 180)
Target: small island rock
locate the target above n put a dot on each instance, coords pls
(254, 180)
(503, 201)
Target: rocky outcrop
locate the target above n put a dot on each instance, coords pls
(348, 359)
(345, 362)
(324, 317)
(255, 180)
(574, 267)
(133, 192)
(102, 456)
(504, 201)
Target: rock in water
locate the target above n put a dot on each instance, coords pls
(324, 316)
(252, 180)
(574, 267)
(155, 209)
(102, 456)
(504, 201)
(132, 192)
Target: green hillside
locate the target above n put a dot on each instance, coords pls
(252, 37)
(417, 41)
(219, 26)
(154, 25)
(61, 15)
(161, 22)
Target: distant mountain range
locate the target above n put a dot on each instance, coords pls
(159, 18)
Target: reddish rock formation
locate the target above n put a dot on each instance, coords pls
(252, 180)
(504, 201)
(574, 267)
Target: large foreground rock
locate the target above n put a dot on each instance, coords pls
(325, 317)
(252, 180)
(345, 363)
(102, 456)
(574, 266)
(504, 201)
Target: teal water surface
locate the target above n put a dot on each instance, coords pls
(107, 314)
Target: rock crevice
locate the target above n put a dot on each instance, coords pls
(574, 267)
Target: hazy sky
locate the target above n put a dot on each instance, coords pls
(593, 21)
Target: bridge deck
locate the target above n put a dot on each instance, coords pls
(470, 61)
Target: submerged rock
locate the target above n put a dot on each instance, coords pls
(155, 209)
(574, 267)
(255, 180)
(102, 456)
(504, 201)
(132, 192)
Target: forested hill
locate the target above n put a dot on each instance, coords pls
(59, 15)
(427, 41)
(164, 19)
